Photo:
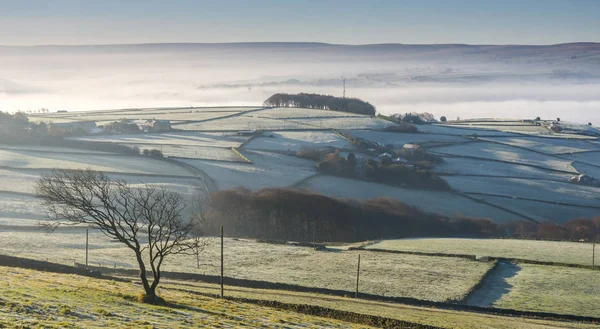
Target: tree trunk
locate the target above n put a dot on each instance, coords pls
(150, 296)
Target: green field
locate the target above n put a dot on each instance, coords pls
(553, 289)
(422, 277)
(32, 298)
(48, 300)
(546, 251)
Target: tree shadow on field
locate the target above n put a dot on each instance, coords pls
(494, 286)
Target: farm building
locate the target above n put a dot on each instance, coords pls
(157, 126)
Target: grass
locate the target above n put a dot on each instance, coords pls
(553, 289)
(547, 251)
(422, 277)
(40, 299)
(422, 315)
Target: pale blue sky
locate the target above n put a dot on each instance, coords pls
(29, 22)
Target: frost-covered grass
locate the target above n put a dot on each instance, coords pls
(399, 139)
(361, 122)
(587, 157)
(493, 151)
(547, 251)
(38, 148)
(444, 203)
(535, 189)
(547, 145)
(20, 210)
(553, 289)
(423, 277)
(541, 211)
(189, 115)
(243, 122)
(482, 167)
(49, 300)
(295, 140)
(292, 112)
(584, 168)
(126, 164)
(267, 170)
(204, 139)
(193, 152)
(459, 130)
(23, 181)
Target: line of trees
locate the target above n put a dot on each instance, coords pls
(300, 215)
(324, 102)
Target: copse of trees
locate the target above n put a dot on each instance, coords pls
(16, 128)
(299, 215)
(323, 102)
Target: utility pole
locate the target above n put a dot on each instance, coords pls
(593, 254)
(86, 245)
(222, 261)
(357, 277)
(344, 93)
(315, 235)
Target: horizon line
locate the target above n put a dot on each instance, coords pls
(297, 42)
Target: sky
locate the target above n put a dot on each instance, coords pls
(75, 22)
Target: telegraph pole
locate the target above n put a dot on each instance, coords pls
(86, 245)
(357, 277)
(222, 261)
(344, 93)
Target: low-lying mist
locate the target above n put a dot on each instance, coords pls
(449, 84)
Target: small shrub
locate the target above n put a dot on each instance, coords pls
(309, 153)
(103, 312)
(65, 310)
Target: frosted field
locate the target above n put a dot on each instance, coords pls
(191, 115)
(20, 210)
(185, 138)
(295, 140)
(560, 290)
(546, 251)
(49, 149)
(541, 211)
(534, 189)
(592, 158)
(193, 152)
(517, 129)
(584, 168)
(459, 131)
(399, 139)
(267, 170)
(482, 167)
(298, 113)
(493, 151)
(125, 164)
(360, 122)
(547, 145)
(23, 181)
(444, 203)
(243, 122)
(424, 277)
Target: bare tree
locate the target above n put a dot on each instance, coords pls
(147, 219)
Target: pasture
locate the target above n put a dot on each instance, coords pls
(293, 141)
(545, 251)
(422, 277)
(506, 153)
(266, 170)
(41, 299)
(447, 203)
